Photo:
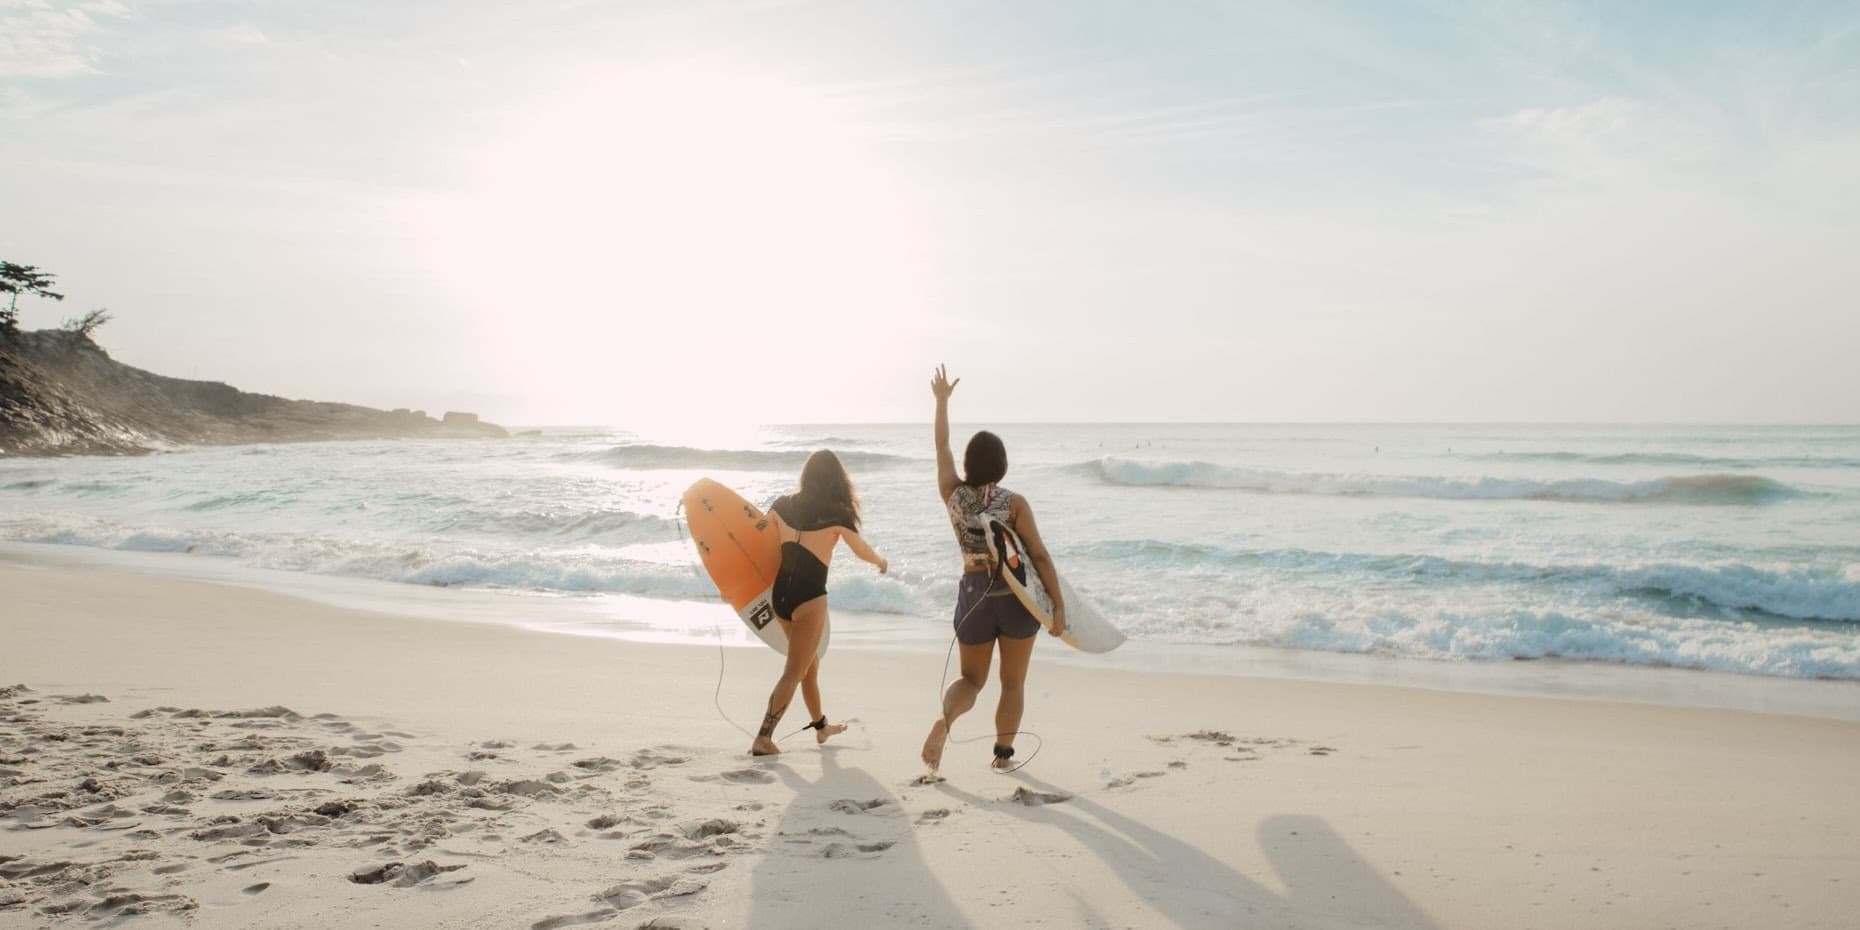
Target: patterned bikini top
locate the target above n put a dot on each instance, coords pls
(969, 510)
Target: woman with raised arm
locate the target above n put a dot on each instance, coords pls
(811, 522)
(988, 615)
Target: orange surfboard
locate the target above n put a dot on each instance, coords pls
(741, 551)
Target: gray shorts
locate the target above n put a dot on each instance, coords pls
(983, 614)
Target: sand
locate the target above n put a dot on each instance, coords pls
(194, 753)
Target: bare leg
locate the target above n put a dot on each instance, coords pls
(1016, 655)
(803, 639)
(810, 693)
(958, 698)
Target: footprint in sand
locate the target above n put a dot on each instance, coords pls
(701, 829)
(662, 922)
(1033, 798)
(120, 904)
(402, 875)
(849, 806)
(570, 920)
(739, 777)
(652, 759)
(639, 891)
(609, 821)
(855, 850)
(1124, 781)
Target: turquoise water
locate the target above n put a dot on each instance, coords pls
(1729, 549)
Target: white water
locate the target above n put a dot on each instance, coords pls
(1722, 549)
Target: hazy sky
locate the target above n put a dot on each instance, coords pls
(662, 212)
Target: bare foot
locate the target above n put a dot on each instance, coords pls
(1000, 763)
(764, 746)
(831, 729)
(933, 744)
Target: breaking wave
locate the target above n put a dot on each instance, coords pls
(1680, 489)
(1680, 459)
(653, 456)
(1803, 594)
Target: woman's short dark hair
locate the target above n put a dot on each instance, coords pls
(984, 461)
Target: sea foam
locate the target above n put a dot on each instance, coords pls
(1727, 489)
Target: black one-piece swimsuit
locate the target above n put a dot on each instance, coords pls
(802, 576)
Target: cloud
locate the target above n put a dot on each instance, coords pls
(240, 34)
(44, 39)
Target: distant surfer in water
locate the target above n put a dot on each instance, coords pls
(813, 520)
(987, 613)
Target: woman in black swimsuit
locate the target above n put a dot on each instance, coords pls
(811, 522)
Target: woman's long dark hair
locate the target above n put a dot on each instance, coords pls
(825, 489)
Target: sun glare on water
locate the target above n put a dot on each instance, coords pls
(677, 243)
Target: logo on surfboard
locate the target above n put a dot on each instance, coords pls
(760, 613)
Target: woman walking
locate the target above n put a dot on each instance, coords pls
(811, 523)
(988, 616)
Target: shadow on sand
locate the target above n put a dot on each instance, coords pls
(1328, 884)
(824, 858)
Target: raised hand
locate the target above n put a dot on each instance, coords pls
(941, 386)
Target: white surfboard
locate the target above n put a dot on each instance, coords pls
(1087, 628)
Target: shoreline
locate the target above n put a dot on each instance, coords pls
(689, 623)
(477, 774)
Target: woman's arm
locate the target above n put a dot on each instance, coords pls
(942, 387)
(1022, 518)
(864, 550)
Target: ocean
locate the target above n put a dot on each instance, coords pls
(1725, 549)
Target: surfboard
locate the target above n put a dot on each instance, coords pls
(1087, 628)
(741, 552)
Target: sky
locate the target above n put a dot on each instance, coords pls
(658, 214)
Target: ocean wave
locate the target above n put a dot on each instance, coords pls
(578, 525)
(560, 570)
(1680, 459)
(1441, 626)
(810, 443)
(662, 457)
(1526, 634)
(1680, 489)
(1736, 590)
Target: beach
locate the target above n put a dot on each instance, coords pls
(209, 754)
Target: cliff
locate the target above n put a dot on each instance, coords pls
(62, 394)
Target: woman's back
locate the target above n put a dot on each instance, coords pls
(970, 509)
(813, 524)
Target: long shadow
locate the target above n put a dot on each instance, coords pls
(1323, 874)
(1192, 889)
(813, 871)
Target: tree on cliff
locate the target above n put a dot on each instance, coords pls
(83, 326)
(22, 279)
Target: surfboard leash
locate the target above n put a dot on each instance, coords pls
(1038, 743)
(716, 693)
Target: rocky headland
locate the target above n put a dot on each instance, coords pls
(62, 394)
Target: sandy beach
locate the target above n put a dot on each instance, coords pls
(209, 755)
